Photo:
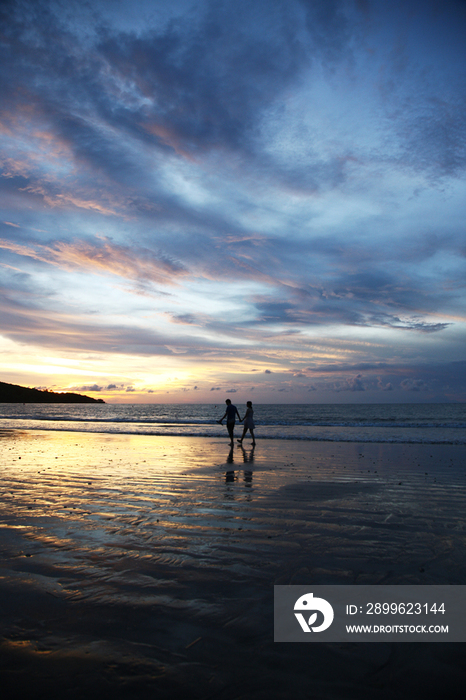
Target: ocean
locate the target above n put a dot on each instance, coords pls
(393, 423)
(138, 561)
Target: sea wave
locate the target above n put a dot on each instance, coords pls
(137, 420)
(400, 423)
(351, 434)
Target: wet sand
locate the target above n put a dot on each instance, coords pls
(137, 566)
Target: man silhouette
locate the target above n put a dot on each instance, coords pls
(230, 414)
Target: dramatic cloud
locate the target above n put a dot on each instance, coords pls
(101, 257)
(205, 188)
(352, 384)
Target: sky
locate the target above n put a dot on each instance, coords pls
(206, 198)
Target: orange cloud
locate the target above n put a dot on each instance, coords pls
(103, 258)
(168, 138)
(61, 199)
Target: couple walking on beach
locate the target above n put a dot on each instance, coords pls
(248, 421)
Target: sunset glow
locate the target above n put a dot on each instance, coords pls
(208, 198)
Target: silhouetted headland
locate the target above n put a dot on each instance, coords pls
(12, 393)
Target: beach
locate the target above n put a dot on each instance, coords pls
(139, 566)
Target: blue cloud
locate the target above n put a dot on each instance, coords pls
(271, 183)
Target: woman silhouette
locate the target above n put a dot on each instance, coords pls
(248, 423)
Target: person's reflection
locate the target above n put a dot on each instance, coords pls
(230, 474)
(248, 456)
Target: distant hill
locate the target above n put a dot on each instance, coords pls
(12, 393)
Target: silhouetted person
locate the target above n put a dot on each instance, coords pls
(230, 414)
(248, 423)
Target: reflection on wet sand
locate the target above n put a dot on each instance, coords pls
(145, 562)
(246, 456)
